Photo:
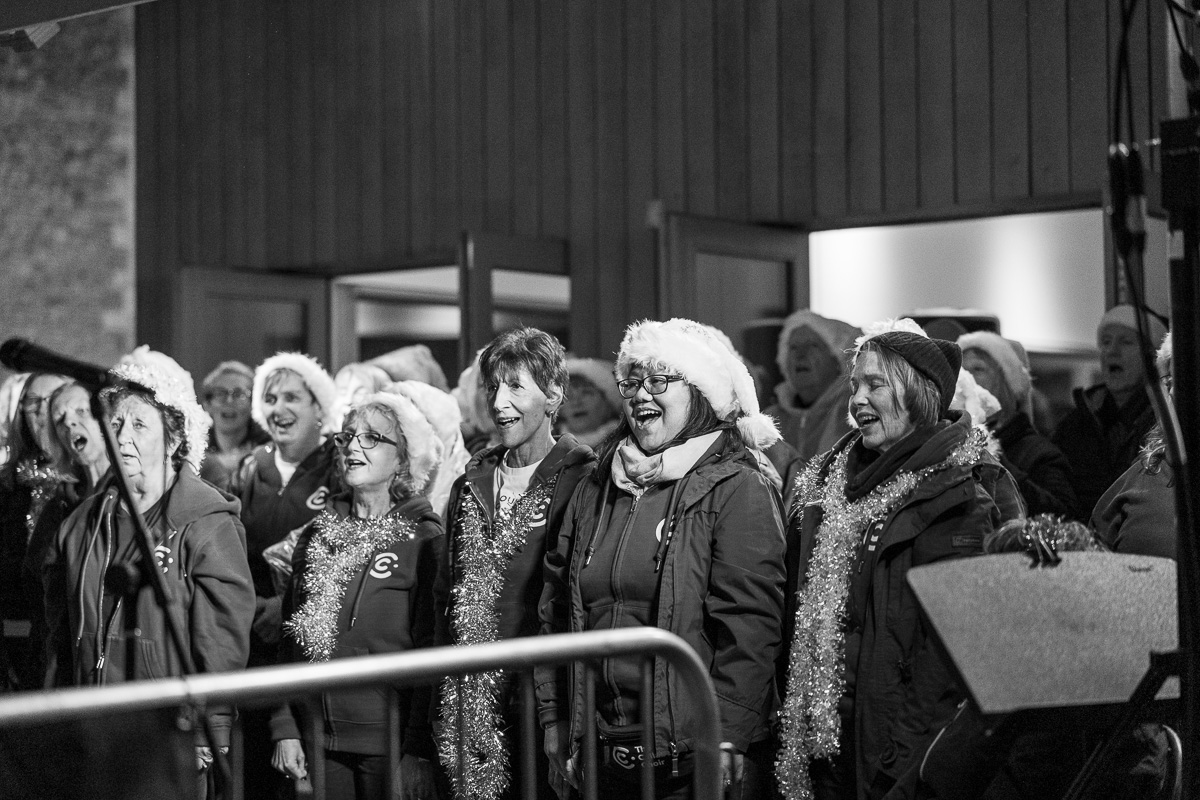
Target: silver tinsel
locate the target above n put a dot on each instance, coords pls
(338, 549)
(483, 556)
(809, 720)
(41, 480)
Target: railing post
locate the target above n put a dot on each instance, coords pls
(529, 739)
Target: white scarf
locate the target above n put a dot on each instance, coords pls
(633, 471)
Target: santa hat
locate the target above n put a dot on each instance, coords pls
(689, 349)
(171, 386)
(1126, 316)
(421, 444)
(1008, 358)
(439, 407)
(599, 374)
(837, 336)
(310, 371)
(412, 363)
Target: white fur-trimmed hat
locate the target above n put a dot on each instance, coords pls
(310, 371)
(421, 443)
(599, 374)
(171, 386)
(838, 337)
(1012, 367)
(706, 363)
(440, 408)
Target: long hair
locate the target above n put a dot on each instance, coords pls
(701, 420)
(21, 443)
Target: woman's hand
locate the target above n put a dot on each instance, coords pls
(562, 764)
(288, 758)
(414, 776)
(204, 758)
(733, 765)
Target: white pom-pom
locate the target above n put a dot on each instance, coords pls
(758, 431)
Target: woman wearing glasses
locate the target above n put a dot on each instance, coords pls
(362, 583)
(679, 530)
(504, 515)
(226, 398)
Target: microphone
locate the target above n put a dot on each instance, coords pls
(25, 356)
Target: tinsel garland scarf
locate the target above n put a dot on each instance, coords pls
(41, 480)
(338, 549)
(809, 720)
(483, 554)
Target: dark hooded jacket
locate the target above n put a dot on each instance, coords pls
(569, 462)
(720, 588)
(200, 547)
(387, 608)
(1100, 440)
(1040, 469)
(900, 691)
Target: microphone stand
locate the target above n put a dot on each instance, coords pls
(133, 578)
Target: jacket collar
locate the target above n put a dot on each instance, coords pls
(567, 452)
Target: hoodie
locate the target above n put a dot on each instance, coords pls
(200, 548)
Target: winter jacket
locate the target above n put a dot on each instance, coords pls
(523, 581)
(720, 589)
(815, 429)
(387, 608)
(200, 548)
(1137, 513)
(270, 511)
(903, 691)
(1040, 469)
(1100, 440)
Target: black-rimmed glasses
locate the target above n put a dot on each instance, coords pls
(367, 440)
(654, 384)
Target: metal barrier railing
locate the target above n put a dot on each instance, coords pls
(262, 685)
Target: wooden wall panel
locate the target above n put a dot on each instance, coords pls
(333, 137)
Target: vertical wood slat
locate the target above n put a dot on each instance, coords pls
(149, 44)
(398, 118)
(1010, 99)
(864, 102)
(373, 136)
(581, 116)
(732, 169)
(446, 178)
(796, 120)
(1049, 118)
(762, 87)
(470, 113)
(639, 136)
(829, 111)
(552, 108)
(498, 144)
(972, 103)
(233, 110)
(419, 195)
(526, 132)
(211, 212)
(348, 197)
(1088, 101)
(611, 228)
(275, 82)
(699, 120)
(190, 15)
(302, 121)
(935, 104)
(899, 88)
(323, 44)
(254, 183)
(166, 103)
(669, 125)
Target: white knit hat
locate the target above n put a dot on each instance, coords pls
(421, 444)
(310, 371)
(1012, 367)
(171, 386)
(599, 374)
(688, 348)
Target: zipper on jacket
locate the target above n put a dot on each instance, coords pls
(619, 603)
(358, 595)
(660, 554)
(674, 760)
(102, 628)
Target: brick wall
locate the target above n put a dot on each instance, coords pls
(66, 190)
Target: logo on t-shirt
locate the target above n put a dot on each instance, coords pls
(383, 565)
(162, 556)
(316, 500)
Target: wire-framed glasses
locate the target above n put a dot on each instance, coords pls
(367, 440)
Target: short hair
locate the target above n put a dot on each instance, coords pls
(402, 487)
(226, 367)
(174, 424)
(277, 375)
(537, 351)
(922, 400)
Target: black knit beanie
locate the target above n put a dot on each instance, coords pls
(936, 359)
